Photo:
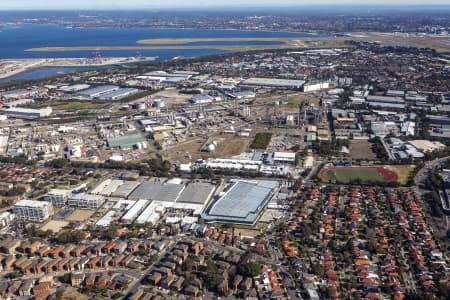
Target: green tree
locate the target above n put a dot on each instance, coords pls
(250, 269)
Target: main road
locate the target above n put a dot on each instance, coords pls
(419, 180)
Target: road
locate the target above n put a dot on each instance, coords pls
(288, 280)
(419, 180)
(134, 288)
(388, 151)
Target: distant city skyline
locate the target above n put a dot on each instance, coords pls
(131, 4)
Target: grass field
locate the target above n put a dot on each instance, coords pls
(298, 99)
(369, 174)
(71, 105)
(346, 175)
(261, 141)
(231, 146)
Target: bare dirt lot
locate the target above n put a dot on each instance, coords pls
(227, 146)
(54, 226)
(80, 215)
(269, 215)
(361, 149)
(172, 96)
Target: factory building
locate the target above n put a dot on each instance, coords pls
(27, 113)
(438, 120)
(118, 94)
(86, 201)
(20, 102)
(242, 95)
(201, 99)
(232, 164)
(386, 102)
(74, 88)
(98, 91)
(135, 211)
(394, 93)
(313, 87)
(32, 211)
(274, 83)
(284, 157)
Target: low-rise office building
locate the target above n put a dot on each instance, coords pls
(86, 201)
(58, 197)
(34, 211)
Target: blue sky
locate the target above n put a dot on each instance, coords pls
(111, 4)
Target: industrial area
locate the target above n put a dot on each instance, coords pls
(318, 173)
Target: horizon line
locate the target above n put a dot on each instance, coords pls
(241, 7)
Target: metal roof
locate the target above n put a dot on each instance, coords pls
(157, 191)
(197, 192)
(125, 189)
(242, 202)
(125, 141)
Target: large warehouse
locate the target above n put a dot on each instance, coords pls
(274, 83)
(157, 191)
(27, 113)
(194, 196)
(241, 203)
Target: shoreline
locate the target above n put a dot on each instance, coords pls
(310, 33)
(25, 65)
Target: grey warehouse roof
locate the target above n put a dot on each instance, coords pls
(197, 193)
(125, 189)
(157, 191)
(242, 202)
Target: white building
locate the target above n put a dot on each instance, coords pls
(284, 157)
(34, 211)
(58, 197)
(135, 211)
(27, 113)
(86, 201)
(6, 218)
(232, 164)
(312, 87)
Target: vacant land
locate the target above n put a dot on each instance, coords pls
(247, 232)
(72, 293)
(71, 105)
(80, 215)
(172, 96)
(297, 99)
(231, 146)
(261, 141)
(54, 226)
(361, 150)
(185, 151)
(227, 146)
(269, 215)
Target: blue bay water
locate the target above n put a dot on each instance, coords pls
(15, 40)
